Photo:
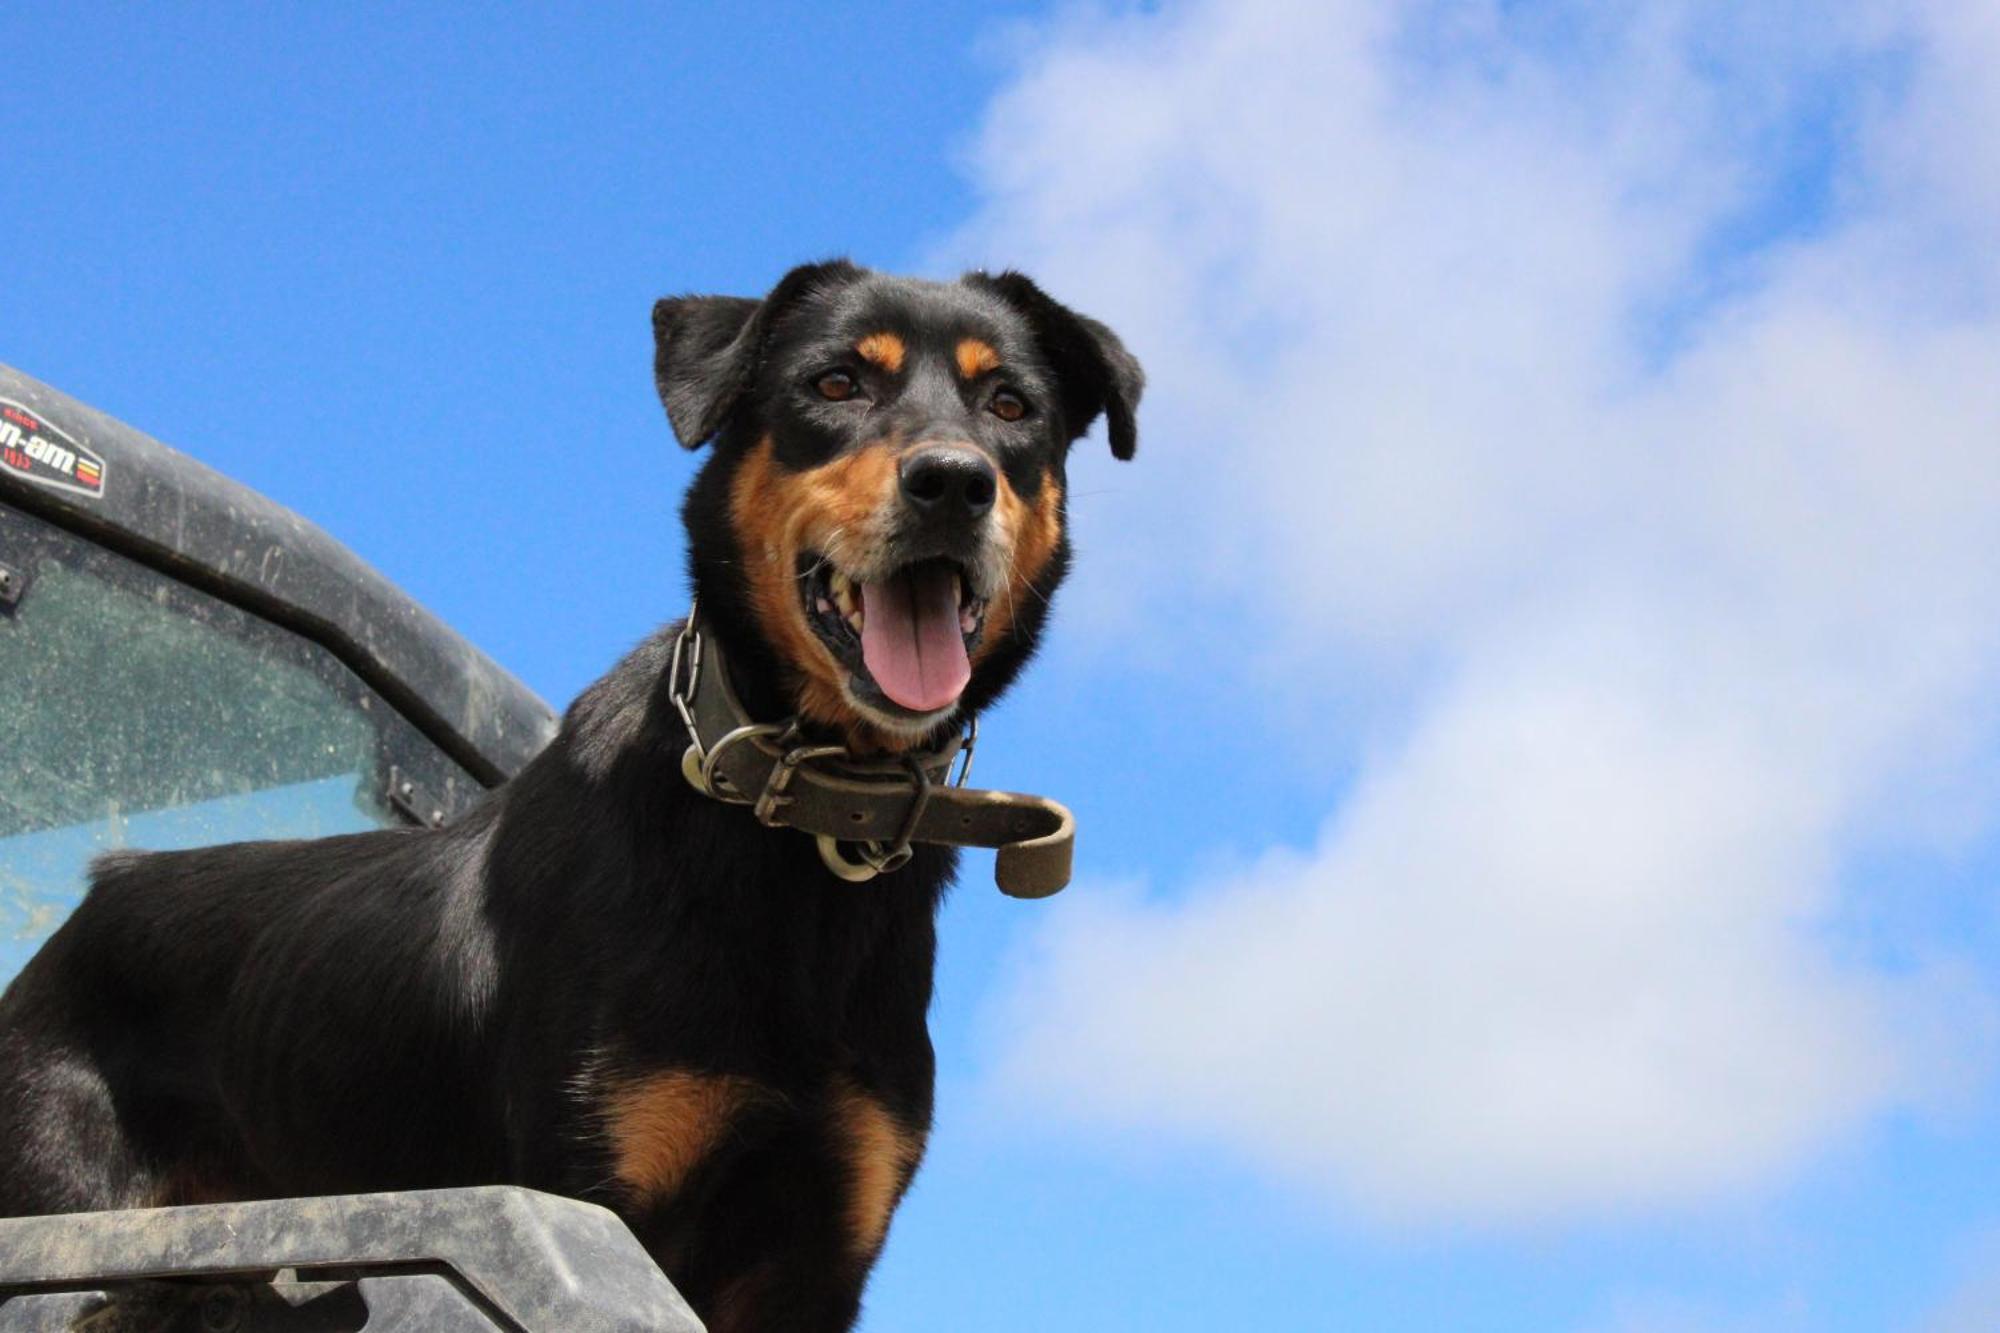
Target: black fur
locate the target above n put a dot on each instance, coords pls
(405, 1009)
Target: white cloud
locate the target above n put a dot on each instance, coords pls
(1453, 319)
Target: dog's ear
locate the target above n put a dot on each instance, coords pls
(701, 360)
(1096, 373)
(706, 348)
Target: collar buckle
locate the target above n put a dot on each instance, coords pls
(773, 797)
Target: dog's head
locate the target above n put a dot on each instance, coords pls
(881, 526)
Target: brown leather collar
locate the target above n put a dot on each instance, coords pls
(865, 813)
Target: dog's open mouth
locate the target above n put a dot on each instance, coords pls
(908, 638)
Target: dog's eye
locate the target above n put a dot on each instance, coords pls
(836, 386)
(1008, 405)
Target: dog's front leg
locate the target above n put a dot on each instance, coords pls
(787, 1238)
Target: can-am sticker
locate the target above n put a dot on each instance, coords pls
(38, 451)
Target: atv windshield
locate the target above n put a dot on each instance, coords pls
(140, 713)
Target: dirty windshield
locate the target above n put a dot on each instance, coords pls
(141, 714)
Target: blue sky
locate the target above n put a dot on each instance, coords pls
(1530, 706)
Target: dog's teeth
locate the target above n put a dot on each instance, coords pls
(854, 619)
(823, 606)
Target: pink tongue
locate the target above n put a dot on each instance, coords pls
(910, 638)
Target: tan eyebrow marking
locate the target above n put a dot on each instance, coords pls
(882, 349)
(976, 357)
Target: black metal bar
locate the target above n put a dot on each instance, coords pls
(494, 1257)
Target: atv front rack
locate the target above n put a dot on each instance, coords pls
(434, 1261)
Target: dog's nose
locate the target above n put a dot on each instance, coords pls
(948, 482)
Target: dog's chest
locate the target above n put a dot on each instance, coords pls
(668, 1129)
(661, 1127)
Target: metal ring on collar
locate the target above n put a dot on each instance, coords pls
(707, 785)
(854, 872)
(877, 859)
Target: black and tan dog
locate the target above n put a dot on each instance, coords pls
(603, 982)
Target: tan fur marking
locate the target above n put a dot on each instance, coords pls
(833, 509)
(663, 1124)
(882, 349)
(1034, 531)
(881, 1158)
(976, 357)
